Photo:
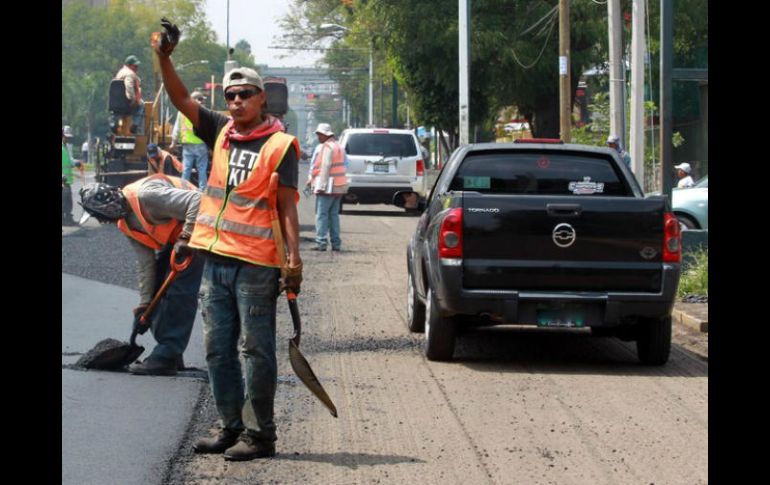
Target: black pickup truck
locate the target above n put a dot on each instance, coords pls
(542, 233)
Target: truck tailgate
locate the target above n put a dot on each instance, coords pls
(567, 243)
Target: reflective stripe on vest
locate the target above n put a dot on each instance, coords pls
(337, 168)
(187, 136)
(239, 224)
(154, 235)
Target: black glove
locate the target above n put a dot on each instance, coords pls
(138, 326)
(291, 277)
(170, 36)
(181, 248)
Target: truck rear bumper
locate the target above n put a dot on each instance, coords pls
(520, 307)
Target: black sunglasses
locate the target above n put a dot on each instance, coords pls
(244, 94)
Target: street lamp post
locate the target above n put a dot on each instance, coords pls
(371, 69)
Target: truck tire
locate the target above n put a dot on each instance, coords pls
(440, 332)
(415, 309)
(653, 343)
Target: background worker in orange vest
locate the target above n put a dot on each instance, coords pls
(156, 213)
(234, 233)
(161, 161)
(329, 182)
(195, 153)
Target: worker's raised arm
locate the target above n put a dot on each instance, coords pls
(177, 92)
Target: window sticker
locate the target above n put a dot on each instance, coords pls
(477, 182)
(586, 187)
(543, 163)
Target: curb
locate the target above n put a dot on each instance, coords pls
(681, 318)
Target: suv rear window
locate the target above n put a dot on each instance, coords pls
(382, 144)
(539, 173)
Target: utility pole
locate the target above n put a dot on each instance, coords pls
(565, 82)
(371, 85)
(637, 91)
(666, 67)
(464, 39)
(394, 105)
(617, 100)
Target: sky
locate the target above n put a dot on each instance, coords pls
(257, 22)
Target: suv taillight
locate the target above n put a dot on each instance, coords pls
(420, 168)
(450, 239)
(672, 239)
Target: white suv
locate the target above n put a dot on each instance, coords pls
(382, 162)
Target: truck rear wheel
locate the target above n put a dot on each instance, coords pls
(440, 332)
(653, 343)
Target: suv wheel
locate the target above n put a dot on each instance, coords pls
(415, 310)
(440, 332)
(653, 343)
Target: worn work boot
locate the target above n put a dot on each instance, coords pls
(224, 439)
(248, 448)
(153, 366)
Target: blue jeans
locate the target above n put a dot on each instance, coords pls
(172, 320)
(327, 219)
(196, 155)
(238, 303)
(137, 119)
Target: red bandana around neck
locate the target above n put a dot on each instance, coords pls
(267, 127)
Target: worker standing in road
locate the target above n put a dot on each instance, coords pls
(234, 233)
(195, 153)
(329, 182)
(156, 213)
(66, 182)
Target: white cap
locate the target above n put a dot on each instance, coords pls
(324, 129)
(684, 167)
(613, 139)
(67, 129)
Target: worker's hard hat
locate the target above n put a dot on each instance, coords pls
(105, 202)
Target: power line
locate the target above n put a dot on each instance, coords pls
(548, 37)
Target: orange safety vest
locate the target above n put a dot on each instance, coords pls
(155, 236)
(239, 224)
(163, 154)
(337, 169)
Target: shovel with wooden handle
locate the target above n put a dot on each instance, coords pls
(298, 362)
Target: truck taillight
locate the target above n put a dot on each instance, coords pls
(672, 239)
(450, 240)
(420, 168)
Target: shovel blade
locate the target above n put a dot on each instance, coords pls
(110, 354)
(307, 376)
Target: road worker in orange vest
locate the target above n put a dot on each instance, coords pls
(161, 161)
(157, 213)
(329, 182)
(234, 233)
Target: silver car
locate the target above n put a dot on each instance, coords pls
(382, 162)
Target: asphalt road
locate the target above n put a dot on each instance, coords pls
(515, 406)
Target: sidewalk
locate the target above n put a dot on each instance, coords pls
(690, 327)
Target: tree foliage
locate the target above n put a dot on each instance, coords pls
(96, 41)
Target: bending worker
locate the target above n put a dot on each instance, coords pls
(161, 161)
(234, 233)
(156, 213)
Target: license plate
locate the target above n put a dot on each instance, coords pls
(559, 319)
(381, 167)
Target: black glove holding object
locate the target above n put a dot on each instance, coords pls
(138, 326)
(169, 38)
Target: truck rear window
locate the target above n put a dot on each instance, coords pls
(538, 173)
(382, 144)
